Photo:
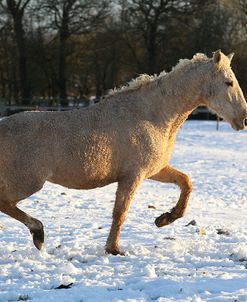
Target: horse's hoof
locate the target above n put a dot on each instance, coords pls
(38, 244)
(163, 220)
(38, 238)
(114, 251)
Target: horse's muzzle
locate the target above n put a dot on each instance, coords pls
(239, 124)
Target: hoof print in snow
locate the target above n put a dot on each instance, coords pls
(23, 298)
(63, 193)
(223, 232)
(192, 222)
(236, 258)
(64, 286)
(151, 207)
(169, 238)
(114, 289)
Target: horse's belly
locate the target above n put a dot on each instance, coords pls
(81, 180)
(85, 165)
(78, 184)
(84, 174)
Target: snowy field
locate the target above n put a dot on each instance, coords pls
(202, 262)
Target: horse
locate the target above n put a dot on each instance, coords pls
(125, 138)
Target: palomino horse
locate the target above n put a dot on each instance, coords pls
(126, 138)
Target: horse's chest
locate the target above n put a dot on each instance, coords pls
(150, 148)
(161, 154)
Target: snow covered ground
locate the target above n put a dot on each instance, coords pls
(202, 262)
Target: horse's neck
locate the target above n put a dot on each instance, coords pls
(179, 94)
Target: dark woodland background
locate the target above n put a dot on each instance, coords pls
(57, 50)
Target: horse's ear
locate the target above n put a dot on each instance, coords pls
(217, 56)
(230, 56)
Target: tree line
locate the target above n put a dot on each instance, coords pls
(62, 49)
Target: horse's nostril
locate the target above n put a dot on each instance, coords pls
(245, 122)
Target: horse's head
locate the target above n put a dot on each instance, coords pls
(224, 95)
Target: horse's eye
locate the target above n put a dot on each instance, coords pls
(229, 83)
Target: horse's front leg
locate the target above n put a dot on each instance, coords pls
(171, 175)
(124, 195)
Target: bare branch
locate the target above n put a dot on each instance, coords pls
(25, 4)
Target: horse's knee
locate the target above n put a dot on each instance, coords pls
(120, 210)
(119, 216)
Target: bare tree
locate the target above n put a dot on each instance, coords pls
(55, 48)
(8, 85)
(72, 17)
(238, 11)
(148, 18)
(17, 9)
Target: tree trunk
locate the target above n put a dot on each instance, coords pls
(17, 14)
(3, 85)
(22, 62)
(151, 48)
(62, 72)
(63, 37)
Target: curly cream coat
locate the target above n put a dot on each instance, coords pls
(125, 138)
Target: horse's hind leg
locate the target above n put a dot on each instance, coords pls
(124, 194)
(34, 225)
(171, 175)
(18, 183)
